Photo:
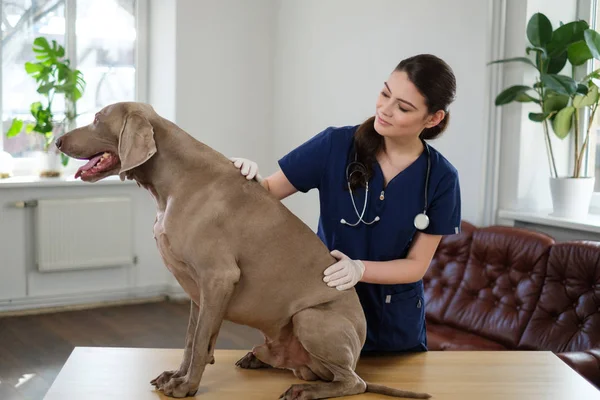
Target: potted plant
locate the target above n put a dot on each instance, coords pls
(53, 75)
(564, 102)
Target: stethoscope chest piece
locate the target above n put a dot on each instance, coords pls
(421, 221)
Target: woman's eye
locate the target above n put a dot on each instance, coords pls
(384, 94)
(402, 109)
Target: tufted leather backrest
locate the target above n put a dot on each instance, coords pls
(446, 272)
(501, 283)
(567, 316)
(517, 287)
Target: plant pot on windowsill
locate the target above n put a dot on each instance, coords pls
(571, 197)
(49, 163)
(53, 75)
(6, 165)
(566, 104)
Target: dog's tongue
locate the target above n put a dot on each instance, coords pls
(87, 166)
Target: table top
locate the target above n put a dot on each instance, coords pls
(124, 373)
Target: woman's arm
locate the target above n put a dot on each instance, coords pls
(408, 270)
(279, 185)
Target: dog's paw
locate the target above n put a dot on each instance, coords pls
(179, 387)
(249, 361)
(296, 392)
(165, 377)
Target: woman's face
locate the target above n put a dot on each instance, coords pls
(401, 112)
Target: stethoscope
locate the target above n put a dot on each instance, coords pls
(421, 220)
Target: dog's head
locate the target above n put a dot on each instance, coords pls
(120, 139)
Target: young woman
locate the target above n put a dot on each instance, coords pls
(386, 199)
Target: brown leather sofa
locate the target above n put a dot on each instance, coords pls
(504, 288)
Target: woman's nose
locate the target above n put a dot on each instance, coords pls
(386, 108)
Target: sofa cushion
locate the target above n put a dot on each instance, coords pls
(446, 271)
(501, 285)
(567, 316)
(443, 337)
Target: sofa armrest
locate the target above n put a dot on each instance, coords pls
(586, 363)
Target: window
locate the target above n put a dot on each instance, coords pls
(101, 38)
(593, 152)
(594, 149)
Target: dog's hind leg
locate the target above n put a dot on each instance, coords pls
(253, 360)
(333, 350)
(333, 354)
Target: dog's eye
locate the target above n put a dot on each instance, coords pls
(96, 118)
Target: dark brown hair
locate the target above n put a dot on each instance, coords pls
(436, 82)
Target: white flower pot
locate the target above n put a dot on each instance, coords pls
(49, 164)
(571, 197)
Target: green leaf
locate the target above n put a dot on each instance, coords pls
(29, 128)
(563, 121)
(585, 101)
(560, 83)
(15, 128)
(44, 89)
(539, 50)
(526, 98)
(565, 35)
(539, 30)
(555, 103)
(35, 108)
(582, 89)
(557, 63)
(592, 39)
(510, 94)
(538, 117)
(33, 68)
(579, 53)
(514, 59)
(64, 159)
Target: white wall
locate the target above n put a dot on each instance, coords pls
(331, 58)
(224, 74)
(162, 58)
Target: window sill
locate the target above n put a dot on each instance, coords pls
(36, 181)
(591, 223)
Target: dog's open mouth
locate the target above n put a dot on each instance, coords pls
(97, 165)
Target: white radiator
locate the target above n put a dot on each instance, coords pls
(83, 233)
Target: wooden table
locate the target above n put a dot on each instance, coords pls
(123, 373)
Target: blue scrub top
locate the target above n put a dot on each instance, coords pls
(395, 313)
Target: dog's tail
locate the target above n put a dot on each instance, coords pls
(388, 391)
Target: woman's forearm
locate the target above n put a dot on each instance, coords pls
(393, 272)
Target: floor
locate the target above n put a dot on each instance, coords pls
(33, 348)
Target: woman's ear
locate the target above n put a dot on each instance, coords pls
(435, 118)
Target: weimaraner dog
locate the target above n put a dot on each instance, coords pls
(237, 251)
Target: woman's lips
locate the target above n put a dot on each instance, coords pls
(382, 122)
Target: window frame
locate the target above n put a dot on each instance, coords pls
(589, 9)
(26, 165)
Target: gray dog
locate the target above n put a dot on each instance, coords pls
(238, 252)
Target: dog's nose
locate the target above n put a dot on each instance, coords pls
(58, 142)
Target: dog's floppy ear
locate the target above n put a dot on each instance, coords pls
(136, 142)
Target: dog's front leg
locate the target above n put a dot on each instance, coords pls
(166, 376)
(217, 285)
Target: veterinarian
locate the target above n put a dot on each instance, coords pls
(386, 199)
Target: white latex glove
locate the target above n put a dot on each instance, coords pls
(345, 273)
(247, 167)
